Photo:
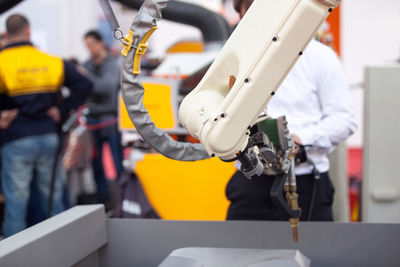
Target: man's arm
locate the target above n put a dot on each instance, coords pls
(109, 79)
(6, 117)
(80, 87)
(338, 120)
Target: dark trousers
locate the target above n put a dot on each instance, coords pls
(250, 198)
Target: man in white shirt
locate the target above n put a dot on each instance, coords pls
(317, 104)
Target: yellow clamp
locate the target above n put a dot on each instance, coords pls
(127, 43)
(141, 50)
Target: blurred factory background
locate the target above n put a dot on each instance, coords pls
(364, 33)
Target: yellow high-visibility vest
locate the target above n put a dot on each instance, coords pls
(26, 70)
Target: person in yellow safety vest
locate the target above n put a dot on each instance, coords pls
(31, 108)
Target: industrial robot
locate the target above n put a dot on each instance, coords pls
(227, 111)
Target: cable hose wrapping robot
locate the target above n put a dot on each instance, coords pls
(133, 91)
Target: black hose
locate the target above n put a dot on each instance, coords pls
(312, 202)
(54, 173)
(7, 4)
(316, 177)
(213, 26)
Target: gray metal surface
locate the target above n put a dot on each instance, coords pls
(381, 183)
(89, 261)
(148, 242)
(62, 240)
(235, 257)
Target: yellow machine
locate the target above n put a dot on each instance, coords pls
(177, 190)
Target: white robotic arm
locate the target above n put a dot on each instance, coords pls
(223, 110)
(250, 68)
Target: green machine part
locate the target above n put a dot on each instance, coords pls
(275, 129)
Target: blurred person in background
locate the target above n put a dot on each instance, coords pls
(103, 70)
(31, 109)
(316, 101)
(1, 40)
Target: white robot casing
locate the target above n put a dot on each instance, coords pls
(259, 54)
